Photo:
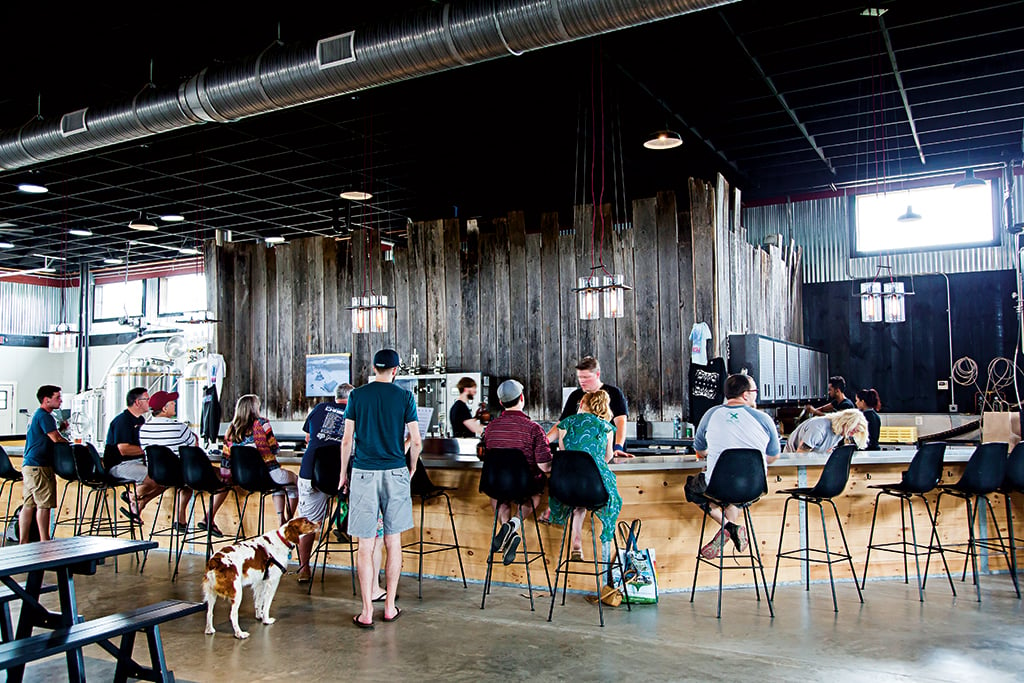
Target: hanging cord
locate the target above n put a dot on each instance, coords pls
(599, 207)
(579, 126)
(593, 160)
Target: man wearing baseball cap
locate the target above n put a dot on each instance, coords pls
(163, 430)
(514, 429)
(376, 419)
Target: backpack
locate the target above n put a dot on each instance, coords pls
(12, 534)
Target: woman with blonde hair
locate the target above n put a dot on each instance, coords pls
(590, 430)
(822, 434)
(248, 428)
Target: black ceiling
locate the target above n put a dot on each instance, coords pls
(782, 98)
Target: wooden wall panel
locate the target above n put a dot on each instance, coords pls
(504, 303)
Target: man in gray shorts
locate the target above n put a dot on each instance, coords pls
(376, 419)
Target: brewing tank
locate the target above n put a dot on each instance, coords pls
(155, 374)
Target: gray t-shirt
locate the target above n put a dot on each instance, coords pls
(815, 434)
(724, 427)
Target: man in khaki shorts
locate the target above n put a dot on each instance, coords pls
(39, 485)
(376, 419)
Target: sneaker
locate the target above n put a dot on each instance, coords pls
(504, 535)
(304, 575)
(738, 534)
(715, 547)
(508, 555)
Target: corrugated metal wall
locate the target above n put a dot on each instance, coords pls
(821, 227)
(31, 309)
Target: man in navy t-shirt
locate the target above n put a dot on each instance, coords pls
(39, 485)
(376, 419)
(325, 425)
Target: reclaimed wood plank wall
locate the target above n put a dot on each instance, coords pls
(499, 299)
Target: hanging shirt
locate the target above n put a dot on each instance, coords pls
(700, 335)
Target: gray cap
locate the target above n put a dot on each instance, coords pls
(509, 390)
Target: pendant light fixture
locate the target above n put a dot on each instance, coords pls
(871, 302)
(969, 180)
(663, 139)
(142, 223)
(895, 305)
(909, 216)
(883, 301)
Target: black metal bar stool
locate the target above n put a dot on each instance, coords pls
(921, 477)
(832, 482)
(506, 477)
(737, 479)
(93, 474)
(576, 482)
(424, 489)
(250, 473)
(199, 475)
(9, 476)
(164, 468)
(66, 468)
(982, 476)
(1013, 482)
(326, 474)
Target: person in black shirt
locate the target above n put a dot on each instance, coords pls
(869, 403)
(464, 425)
(588, 373)
(837, 398)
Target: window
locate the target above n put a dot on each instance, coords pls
(182, 294)
(950, 218)
(117, 299)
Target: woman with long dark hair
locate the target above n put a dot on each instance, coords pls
(869, 403)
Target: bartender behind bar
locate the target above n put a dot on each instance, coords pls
(464, 425)
(588, 374)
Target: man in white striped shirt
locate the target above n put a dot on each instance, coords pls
(163, 430)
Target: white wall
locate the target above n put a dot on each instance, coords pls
(32, 367)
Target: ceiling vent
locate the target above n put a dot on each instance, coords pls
(336, 50)
(73, 123)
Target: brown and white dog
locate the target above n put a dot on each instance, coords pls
(259, 562)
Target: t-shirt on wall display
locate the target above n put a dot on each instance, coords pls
(324, 372)
(700, 335)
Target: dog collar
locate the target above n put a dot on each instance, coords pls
(285, 540)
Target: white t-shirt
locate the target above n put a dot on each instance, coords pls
(700, 335)
(163, 431)
(724, 427)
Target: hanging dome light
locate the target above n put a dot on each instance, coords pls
(356, 195)
(664, 139)
(909, 216)
(969, 180)
(142, 223)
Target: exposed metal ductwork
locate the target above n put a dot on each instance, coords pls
(426, 42)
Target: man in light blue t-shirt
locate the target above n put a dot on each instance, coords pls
(735, 424)
(377, 417)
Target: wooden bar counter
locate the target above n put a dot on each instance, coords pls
(652, 490)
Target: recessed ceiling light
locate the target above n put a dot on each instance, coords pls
(32, 188)
(113, 261)
(172, 218)
(356, 195)
(6, 245)
(49, 256)
(80, 232)
(189, 251)
(276, 239)
(142, 224)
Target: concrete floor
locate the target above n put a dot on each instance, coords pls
(447, 637)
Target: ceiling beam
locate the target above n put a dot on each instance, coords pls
(899, 85)
(778, 95)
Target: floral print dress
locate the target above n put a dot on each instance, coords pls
(589, 433)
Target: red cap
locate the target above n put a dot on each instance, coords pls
(158, 400)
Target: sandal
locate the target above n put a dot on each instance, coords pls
(576, 555)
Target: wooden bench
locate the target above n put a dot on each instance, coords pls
(6, 596)
(100, 631)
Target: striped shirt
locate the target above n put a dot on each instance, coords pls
(515, 429)
(163, 431)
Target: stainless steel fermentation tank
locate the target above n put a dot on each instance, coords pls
(440, 391)
(154, 374)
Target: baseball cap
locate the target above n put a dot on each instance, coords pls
(386, 358)
(158, 400)
(509, 390)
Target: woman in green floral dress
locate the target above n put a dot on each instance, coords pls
(590, 431)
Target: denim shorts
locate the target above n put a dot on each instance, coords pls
(383, 492)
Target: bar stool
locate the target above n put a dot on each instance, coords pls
(250, 473)
(984, 474)
(66, 468)
(94, 475)
(576, 482)
(738, 479)
(198, 474)
(424, 489)
(8, 476)
(832, 482)
(326, 474)
(921, 477)
(1013, 483)
(506, 477)
(164, 468)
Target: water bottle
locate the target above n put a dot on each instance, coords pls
(641, 427)
(677, 427)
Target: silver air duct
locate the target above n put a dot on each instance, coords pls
(421, 43)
